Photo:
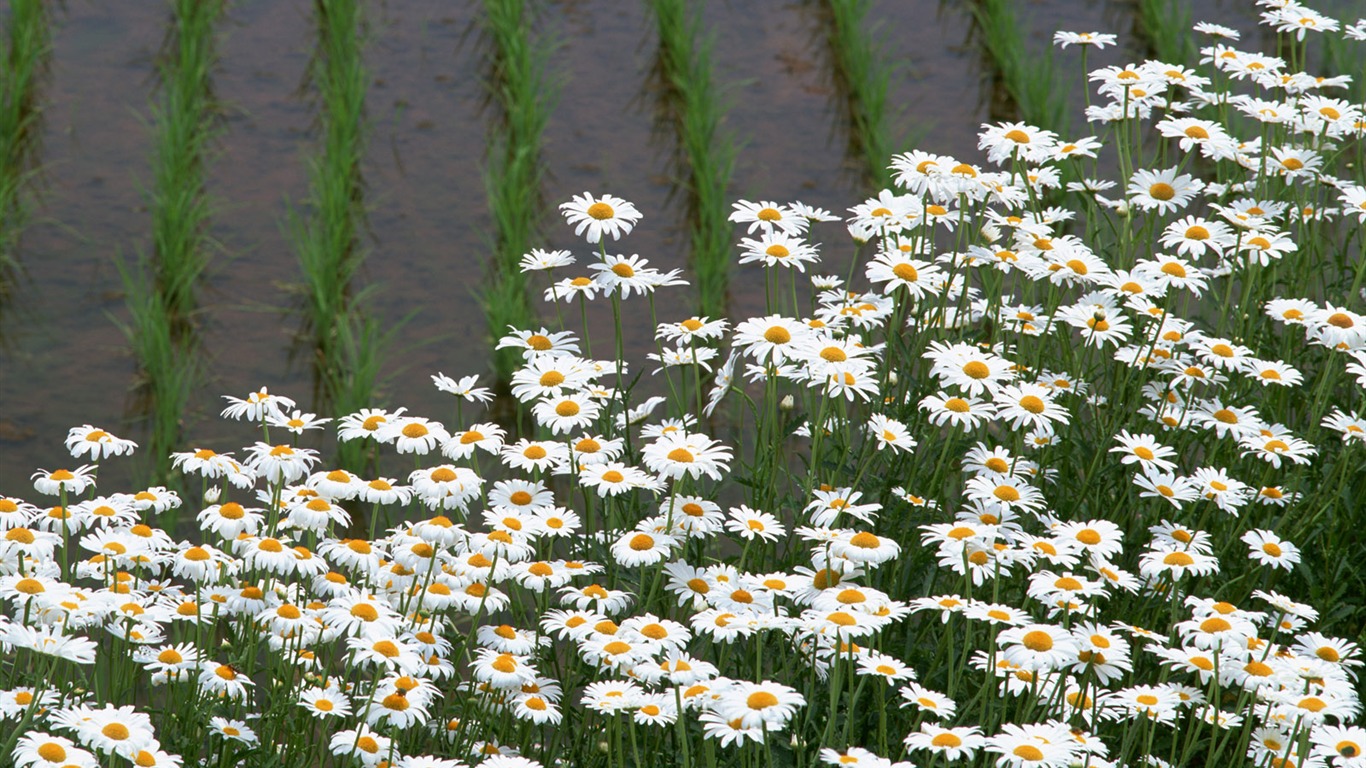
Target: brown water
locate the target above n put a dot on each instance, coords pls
(64, 361)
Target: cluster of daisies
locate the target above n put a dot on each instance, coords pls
(1020, 491)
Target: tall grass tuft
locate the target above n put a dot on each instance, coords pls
(1166, 25)
(862, 76)
(27, 46)
(518, 90)
(1030, 77)
(692, 107)
(325, 236)
(161, 288)
(170, 366)
(185, 127)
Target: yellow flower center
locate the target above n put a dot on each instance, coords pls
(680, 455)
(1161, 191)
(865, 540)
(777, 335)
(761, 700)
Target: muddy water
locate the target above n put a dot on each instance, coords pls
(64, 361)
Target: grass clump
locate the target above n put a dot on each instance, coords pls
(161, 288)
(28, 44)
(1029, 77)
(325, 237)
(862, 75)
(1166, 25)
(692, 107)
(518, 90)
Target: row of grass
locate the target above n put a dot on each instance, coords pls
(344, 341)
(1030, 77)
(161, 288)
(862, 75)
(520, 98)
(694, 111)
(27, 47)
(1166, 25)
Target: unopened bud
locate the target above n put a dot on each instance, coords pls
(211, 495)
(787, 403)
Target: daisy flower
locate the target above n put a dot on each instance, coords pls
(890, 433)
(750, 524)
(1025, 142)
(1030, 404)
(296, 421)
(950, 743)
(640, 548)
(778, 249)
(255, 406)
(1162, 191)
(540, 260)
(592, 216)
(96, 442)
(895, 270)
(1194, 236)
(613, 478)
(566, 413)
(42, 750)
(540, 342)
(772, 338)
(1174, 562)
(928, 701)
(767, 217)
(1269, 549)
(235, 730)
(280, 463)
(1145, 451)
(969, 368)
(465, 388)
(1032, 746)
(675, 455)
(367, 422)
(72, 481)
(532, 455)
(967, 412)
(765, 705)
